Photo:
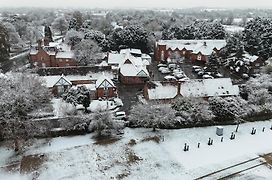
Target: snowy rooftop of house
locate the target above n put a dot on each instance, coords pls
(250, 58)
(162, 91)
(206, 47)
(104, 82)
(131, 51)
(52, 80)
(209, 87)
(146, 56)
(115, 58)
(65, 55)
(130, 70)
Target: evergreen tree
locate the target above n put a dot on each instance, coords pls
(48, 33)
(4, 44)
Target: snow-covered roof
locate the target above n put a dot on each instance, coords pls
(115, 58)
(162, 91)
(130, 70)
(206, 47)
(33, 51)
(131, 50)
(65, 55)
(51, 81)
(209, 88)
(250, 58)
(104, 82)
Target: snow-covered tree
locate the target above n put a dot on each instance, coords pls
(73, 37)
(228, 108)
(132, 36)
(87, 52)
(103, 124)
(20, 94)
(60, 24)
(48, 33)
(152, 116)
(193, 111)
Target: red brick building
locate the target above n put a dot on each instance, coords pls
(51, 55)
(105, 88)
(194, 50)
(132, 73)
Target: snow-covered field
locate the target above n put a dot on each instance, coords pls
(80, 157)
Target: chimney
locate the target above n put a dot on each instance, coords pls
(205, 43)
(39, 44)
(46, 41)
(179, 84)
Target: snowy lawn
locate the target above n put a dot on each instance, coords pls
(80, 157)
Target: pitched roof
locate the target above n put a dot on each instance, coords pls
(104, 82)
(206, 47)
(162, 91)
(209, 88)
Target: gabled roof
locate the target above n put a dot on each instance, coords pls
(209, 88)
(63, 82)
(206, 47)
(104, 82)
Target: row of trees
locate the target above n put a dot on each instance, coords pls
(196, 30)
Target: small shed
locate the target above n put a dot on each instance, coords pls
(219, 130)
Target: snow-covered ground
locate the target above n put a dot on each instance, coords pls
(80, 158)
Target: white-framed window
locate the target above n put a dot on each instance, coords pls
(162, 55)
(199, 57)
(67, 60)
(60, 60)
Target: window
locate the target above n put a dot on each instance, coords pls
(199, 57)
(60, 60)
(67, 60)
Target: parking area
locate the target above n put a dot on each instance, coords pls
(186, 70)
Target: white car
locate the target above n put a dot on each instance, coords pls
(162, 65)
(179, 75)
(170, 78)
(165, 71)
(205, 76)
(120, 115)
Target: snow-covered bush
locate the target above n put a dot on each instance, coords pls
(103, 124)
(152, 116)
(193, 111)
(228, 108)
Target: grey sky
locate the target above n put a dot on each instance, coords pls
(138, 3)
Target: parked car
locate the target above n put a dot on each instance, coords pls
(206, 76)
(120, 115)
(179, 75)
(218, 75)
(200, 73)
(197, 70)
(162, 65)
(184, 79)
(165, 71)
(172, 66)
(170, 78)
(194, 68)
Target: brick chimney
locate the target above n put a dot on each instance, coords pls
(46, 41)
(39, 44)
(179, 84)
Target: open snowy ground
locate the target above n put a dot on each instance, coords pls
(80, 157)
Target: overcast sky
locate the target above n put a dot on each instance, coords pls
(138, 3)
